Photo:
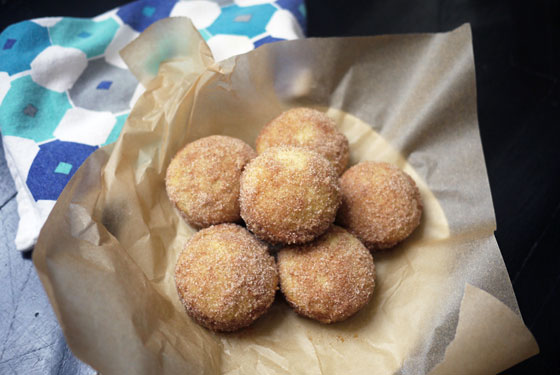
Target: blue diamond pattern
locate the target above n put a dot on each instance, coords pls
(9, 43)
(104, 85)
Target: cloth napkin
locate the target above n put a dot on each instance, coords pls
(64, 90)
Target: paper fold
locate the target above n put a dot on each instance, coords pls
(480, 345)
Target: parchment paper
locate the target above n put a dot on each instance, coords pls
(443, 302)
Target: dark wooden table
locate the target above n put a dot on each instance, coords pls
(517, 57)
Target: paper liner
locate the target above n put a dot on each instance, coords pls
(107, 252)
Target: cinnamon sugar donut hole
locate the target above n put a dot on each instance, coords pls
(329, 279)
(203, 179)
(381, 204)
(308, 128)
(289, 195)
(225, 277)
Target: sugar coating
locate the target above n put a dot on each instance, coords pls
(329, 279)
(225, 277)
(308, 128)
(289, 195)
(381, 204)
(203, 179)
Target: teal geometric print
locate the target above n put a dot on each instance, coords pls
(63, 168)
(65, 92)
(86, 35)
(20, 44)
(32, 111)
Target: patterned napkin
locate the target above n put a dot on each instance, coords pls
(64, 90)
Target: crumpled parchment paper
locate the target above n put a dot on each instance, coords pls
(443, 302)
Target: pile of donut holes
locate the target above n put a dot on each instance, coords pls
(287, 193)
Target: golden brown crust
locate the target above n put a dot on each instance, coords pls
(308, 128)
(289, 195)
(225, 277)
(329, 279)
(381, 204)
(203, 179)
